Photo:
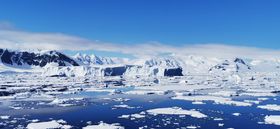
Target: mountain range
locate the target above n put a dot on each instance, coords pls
(54, 63)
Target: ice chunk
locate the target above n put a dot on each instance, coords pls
(49, 125)
(102, 125)
(176, 111)
(4, 117)
(272, 119)
(236, 114)
(270, 107)
(217, 100)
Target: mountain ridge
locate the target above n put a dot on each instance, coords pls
(21, 58)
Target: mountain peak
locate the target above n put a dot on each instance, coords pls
(85, 59)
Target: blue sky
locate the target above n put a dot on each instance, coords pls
(252, 23)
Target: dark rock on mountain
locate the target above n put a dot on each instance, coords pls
(238, 60)
(238, 63)
(17, 58)
(173, 72)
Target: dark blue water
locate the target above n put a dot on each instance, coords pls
(97, 109)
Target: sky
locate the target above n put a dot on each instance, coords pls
(143, 27)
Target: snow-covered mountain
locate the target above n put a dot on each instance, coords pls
(40, 59)
(235, 65)
(196, 64)
(53, 63)
(84, 59)
(167, 62)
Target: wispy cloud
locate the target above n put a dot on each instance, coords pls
(4, 25)
(16, 39)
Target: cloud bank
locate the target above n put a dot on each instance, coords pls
(16, 39)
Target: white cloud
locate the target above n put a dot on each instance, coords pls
(15, 39)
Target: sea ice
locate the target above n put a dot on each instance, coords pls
(198, 102)
(216, 99)
(272, 119)
(176, 111)
(123, 106)
(102, 125)
(4, 117)
(49, 125)
(236, 114)
(270, 107)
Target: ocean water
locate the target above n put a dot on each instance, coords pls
(95, 109)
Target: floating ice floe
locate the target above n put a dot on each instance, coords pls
(216, 99)
(198, 102)
(15, 108)
(192, 127)
(218, 119)
(63, 102)
(263, 99)
(258, 94)
(61, 124)
(272, 119)
(137, 116)
(176, 111)
(236, 114)
(133, 116)
(102, 125)
(34, 120)
(270, 107)
(4, 117)
(123, 106)
(120, 99)
(124, 116)
(252, 101)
